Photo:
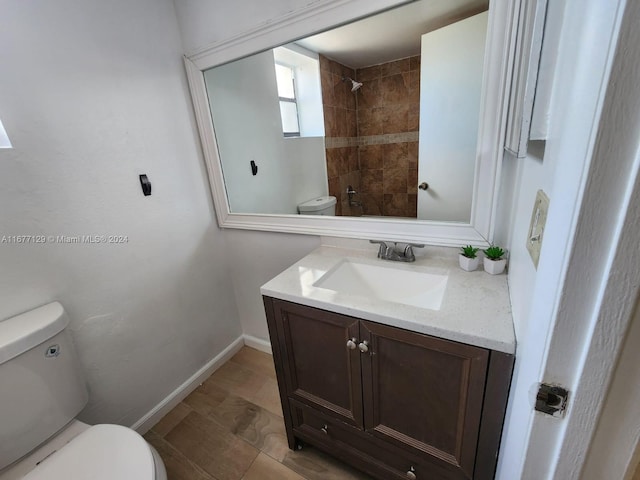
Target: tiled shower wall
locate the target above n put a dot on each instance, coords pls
(388, 122)
(341, 133)
(378, 155)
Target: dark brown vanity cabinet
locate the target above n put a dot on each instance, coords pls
(393, 403)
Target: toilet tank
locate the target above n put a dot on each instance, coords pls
(318, 206)
(41, 386)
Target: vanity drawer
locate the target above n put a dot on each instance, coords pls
(374, 456)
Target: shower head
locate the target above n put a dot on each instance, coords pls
(354, 85)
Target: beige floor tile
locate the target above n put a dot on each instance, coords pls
(259, 427)
(255, 360)
(171, 419)
(313, 464)
(266, 468)
(177, 465)
(212, 447)
(231, 428)
(205, 399)
(268, 397)
(234, 378)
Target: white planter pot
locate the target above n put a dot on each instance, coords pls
(468, 264)
(494, 267)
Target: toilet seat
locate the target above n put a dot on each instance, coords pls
(102, 452)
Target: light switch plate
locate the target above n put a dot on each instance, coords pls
(536, 227)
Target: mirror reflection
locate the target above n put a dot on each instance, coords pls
(352, 121)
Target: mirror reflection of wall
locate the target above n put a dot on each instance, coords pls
(246, 111)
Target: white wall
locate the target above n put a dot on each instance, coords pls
(243, 97)
(257, 258)
(93, 94)
(618, 436)
(559, 167)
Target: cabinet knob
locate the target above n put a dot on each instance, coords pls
(351, 344)
(325, 429)
(363, 346)
(411, 474)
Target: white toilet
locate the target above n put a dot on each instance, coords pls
(41, 391)
(318, 206)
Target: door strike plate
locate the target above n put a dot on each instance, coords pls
(552, 400)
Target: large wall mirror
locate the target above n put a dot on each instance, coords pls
(399, 116)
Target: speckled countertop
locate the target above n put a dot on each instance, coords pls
(475, 308)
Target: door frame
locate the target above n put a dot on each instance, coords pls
(594, 263)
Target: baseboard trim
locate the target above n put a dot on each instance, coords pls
(258, 343)
(143, 425)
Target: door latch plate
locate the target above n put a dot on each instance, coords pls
(551, 399)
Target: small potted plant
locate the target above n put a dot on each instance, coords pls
(468, 258)
(493, 261)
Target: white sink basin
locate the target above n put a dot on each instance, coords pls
(400, 284)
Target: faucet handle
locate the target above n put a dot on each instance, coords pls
(407, 250)
(382, 251)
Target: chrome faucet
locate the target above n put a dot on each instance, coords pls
(398, 252)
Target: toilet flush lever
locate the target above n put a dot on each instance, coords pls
(52, 351)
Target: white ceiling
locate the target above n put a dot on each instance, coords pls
(390, 35)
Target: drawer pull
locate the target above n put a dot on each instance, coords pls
(363, 346)
(325, 429)
(351, 344)
(411, 474)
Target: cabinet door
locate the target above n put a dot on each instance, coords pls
(425, 395)
(320, 369)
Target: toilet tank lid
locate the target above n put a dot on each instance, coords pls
(23, 332)
(316, 204)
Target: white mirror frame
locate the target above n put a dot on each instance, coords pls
(318, 17)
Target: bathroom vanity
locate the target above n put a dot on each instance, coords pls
(396, 389)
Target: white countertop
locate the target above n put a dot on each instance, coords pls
(475, 308)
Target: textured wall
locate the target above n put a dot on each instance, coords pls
(94, 94)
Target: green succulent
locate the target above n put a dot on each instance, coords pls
(469, 251)
(494, 252)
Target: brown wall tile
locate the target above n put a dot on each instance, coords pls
(369, 94)
(414, 63)
(395, 89)
(395, 118)
(371, 181)
(372, 204)
(369, 73)
(412, 180)
(412, 154)
(371, 156)
(396, 155)
(396, 204)
(370, 121)
(394, 180)
(333, 162)
(412, 205)
(393, 68)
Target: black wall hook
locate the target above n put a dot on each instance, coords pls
(254, 168)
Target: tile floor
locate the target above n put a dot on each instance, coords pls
(231, 428)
